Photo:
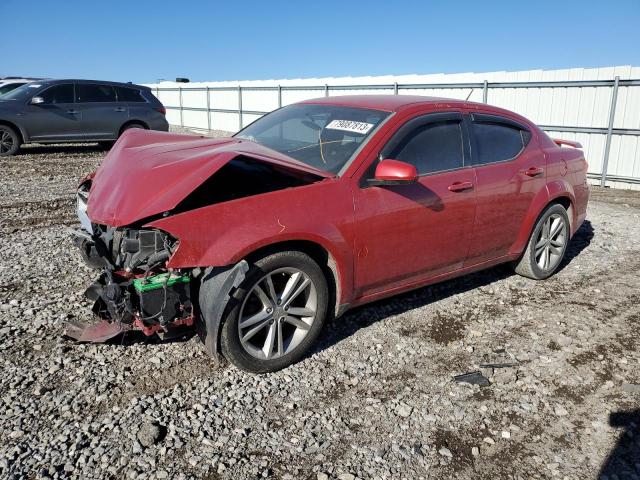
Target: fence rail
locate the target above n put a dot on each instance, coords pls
(396, 88)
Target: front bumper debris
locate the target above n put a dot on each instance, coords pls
(98, 331)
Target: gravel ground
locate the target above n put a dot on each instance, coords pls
(375, 399)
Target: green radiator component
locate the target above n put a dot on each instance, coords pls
(155, 282)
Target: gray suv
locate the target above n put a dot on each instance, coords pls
(72, 111)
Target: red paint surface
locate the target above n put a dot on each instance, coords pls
(384, 239)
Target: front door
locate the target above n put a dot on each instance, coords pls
(56, 119)
(408, 233)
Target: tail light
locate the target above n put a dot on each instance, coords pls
(162, 110)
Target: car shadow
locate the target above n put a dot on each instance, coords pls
(624, 459)
(578, 243)
(361, 317)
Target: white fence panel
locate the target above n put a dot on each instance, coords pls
(571, 111)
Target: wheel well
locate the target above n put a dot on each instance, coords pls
(568, 206)
(131, 122)
(324, 259)
(15, 128)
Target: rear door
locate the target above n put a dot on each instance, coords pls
(56, 119)
(509, 171)
(409, 233)
(102, 114)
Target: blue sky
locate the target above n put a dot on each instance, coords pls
(142, 41)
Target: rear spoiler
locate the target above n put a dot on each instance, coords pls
(561, 142)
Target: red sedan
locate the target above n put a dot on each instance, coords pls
(320, 206)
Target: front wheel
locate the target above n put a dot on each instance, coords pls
(276, 314)
(9, 141)
(547, 244)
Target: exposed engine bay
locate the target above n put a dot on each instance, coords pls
(134, 289)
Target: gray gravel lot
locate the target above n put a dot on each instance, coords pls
(375, 399)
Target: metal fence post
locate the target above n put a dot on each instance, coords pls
(240, 106)
(326, 90)
(612, 115)
(208, 109)
(279, 96)
(180, 95)
(485, 91)
(395, 88)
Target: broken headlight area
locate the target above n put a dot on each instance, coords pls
(126, 249)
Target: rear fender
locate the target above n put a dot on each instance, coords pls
(553, 190)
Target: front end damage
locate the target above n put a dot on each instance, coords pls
(134, 290)
(146, 179)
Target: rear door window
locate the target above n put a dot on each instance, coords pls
(93, 92)
(129, 95)
(497, 139)
(431, 148)
(62, 93)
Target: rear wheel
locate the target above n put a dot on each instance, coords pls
(547, 244)
(131, 126)
(9, 141)
(276, 314)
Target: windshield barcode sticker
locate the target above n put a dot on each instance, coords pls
(350, 126)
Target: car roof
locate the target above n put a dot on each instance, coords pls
(394, 103)
(389, 103)
(101, 82)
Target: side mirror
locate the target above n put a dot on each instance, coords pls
(394, 172)
(37, 100)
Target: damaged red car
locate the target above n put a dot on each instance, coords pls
(256, 240)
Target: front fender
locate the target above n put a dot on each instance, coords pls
(553, 190)
(225, 233)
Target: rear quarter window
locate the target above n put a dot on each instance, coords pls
(129, 95)
(497, 142)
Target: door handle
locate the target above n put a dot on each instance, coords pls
(73, 112)
(533, 171)
(119, 109)
(460, 186)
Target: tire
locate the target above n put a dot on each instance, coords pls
(551, 239)
(132, 125)
(294, 310)
(106, 145)
(9, 141)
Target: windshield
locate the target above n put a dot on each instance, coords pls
(322, 136)
(22, 92)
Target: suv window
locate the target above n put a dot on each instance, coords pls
(129, 95)
(497, 142)
(434, 147)
(62, 93)
(93, 92)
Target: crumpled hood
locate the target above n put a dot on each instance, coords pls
(149, 172)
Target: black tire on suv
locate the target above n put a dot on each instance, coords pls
(9, 141)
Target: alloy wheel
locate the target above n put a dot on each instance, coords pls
(6, 141)
(277, 313)
(551, 242)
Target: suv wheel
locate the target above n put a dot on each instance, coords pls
(132, 125)
(9, 141)
(547, 244)
(277, 313)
